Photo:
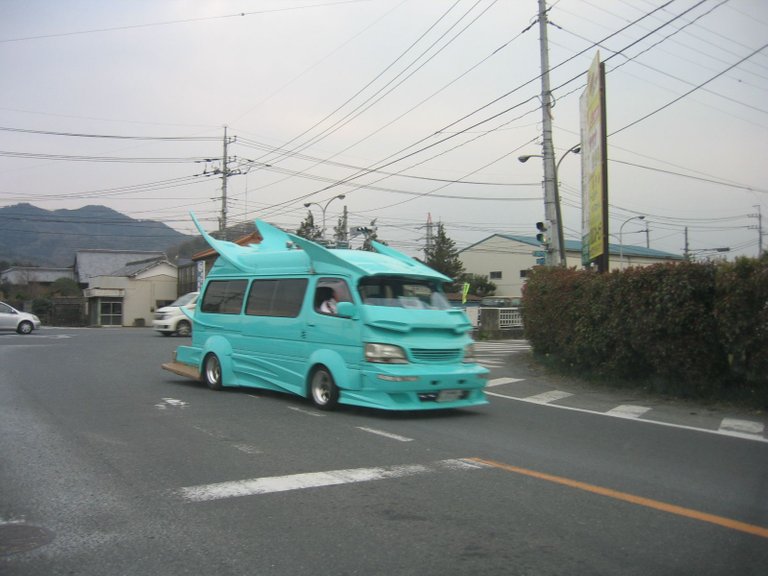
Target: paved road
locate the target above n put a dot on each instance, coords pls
(108, 465)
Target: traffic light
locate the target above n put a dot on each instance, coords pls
(543, 235)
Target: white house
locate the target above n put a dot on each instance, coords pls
(130, 295)
(507, 259)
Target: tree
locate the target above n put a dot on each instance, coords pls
(479, 285)
(340, 235)
(443, 256)
(308, 230)
(65, 287)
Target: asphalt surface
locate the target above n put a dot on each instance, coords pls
(110, 465)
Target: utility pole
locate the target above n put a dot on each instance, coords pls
(686, 251)
(224, 174)
(555, 251)
(759, 227)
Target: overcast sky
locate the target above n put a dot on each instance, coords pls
(438, 98)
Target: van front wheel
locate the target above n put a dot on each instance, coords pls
(323, 390)
(212, 372)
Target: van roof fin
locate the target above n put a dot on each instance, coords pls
(319, 253)
(229, 251)
(404, 258)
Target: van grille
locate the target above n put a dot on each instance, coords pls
(431, 355)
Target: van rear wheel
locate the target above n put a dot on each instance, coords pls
(323, 390)
(212, 372)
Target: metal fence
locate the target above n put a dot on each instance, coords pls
(510, 318)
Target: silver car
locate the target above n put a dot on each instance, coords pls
(12, 319)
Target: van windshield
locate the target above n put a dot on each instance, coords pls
(402, 292)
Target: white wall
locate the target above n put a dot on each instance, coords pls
(497, 254)
(510, 257)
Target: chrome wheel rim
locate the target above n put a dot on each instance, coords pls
(321, 388)
(212, 370)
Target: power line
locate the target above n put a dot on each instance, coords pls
(123, 159)
(173, 22)
(691, 91)
(112, 136)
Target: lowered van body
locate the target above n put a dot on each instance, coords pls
(336, 326)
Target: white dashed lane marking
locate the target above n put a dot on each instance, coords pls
(502, 381)
(171, 403)
(385, 434)
(729, 425)
(547, 397)
(628, 411)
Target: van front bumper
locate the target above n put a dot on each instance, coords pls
(404, 387)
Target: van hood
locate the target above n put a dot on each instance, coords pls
(404, 321)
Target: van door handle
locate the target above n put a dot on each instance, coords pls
(311, 324)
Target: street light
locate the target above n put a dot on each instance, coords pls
(324, 208)
(621, 237)
(560, 245)
(707, 251)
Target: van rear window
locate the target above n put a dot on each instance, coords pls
(280, 297)
(224, 296)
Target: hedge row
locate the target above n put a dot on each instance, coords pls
(695, 329)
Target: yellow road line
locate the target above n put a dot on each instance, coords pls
(639, 500)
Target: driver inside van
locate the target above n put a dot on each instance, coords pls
(327, 298)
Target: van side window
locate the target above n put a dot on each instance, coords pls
(224, 296)
(280, 297)
(330, 291)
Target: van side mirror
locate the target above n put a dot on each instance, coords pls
(346, 309)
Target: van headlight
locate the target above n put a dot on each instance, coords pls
(385, 354)
(469, 354)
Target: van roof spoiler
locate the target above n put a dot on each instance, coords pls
(276, 240)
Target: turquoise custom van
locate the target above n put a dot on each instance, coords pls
(336, 326)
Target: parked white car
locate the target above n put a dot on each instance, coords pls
(172, 320)
(12, 319)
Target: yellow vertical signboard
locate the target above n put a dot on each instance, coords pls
(593, 165)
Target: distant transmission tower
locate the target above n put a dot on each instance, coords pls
(430, 235)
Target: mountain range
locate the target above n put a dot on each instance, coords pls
(33, 236)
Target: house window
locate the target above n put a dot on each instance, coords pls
(524, 273)
(495, 275)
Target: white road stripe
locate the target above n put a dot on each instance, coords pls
(501, 381)
(385, 434)
(316, 479)
(547, 397)
(758, 437)
(628, 411)
(171, 402)
(307, 412)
